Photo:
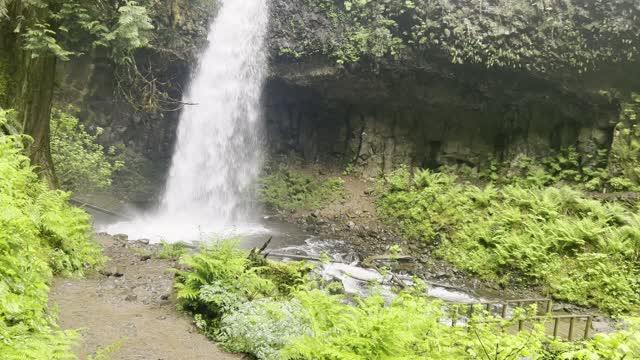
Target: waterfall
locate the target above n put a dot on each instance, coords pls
(217, 154)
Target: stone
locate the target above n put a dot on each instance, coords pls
(121, 237)
(600, 326)
(442, 275)
(351, 225)
(112, 272)
(131, 297)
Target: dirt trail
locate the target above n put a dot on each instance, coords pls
(130, 301)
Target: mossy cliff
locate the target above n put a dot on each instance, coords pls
(373, 85)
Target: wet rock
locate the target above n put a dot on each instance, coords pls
(600, 326)
(164, 297)
(351, 225)
(113, 271)
(145, 257)
(561, 307)
(316, 213)
(121, 237)
(131, 297)
(442, 275)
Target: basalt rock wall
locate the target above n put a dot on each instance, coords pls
(379, 120)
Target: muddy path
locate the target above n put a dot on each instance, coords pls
(130, 301)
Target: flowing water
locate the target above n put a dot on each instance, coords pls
(218, 153)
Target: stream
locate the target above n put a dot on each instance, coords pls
(344, 265)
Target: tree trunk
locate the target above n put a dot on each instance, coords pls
(34, 110)
(34, 96)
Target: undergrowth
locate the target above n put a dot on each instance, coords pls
(589, 172)
(288, 190)
(40, 235)
(581, 250)
(280, 311)
(81, 163)
(171, 251)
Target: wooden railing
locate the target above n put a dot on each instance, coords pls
(501, 309)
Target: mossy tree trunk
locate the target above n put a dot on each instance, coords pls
(34, 96)
(33, 106)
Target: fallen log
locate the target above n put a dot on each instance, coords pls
(97, 208)
(295, 257)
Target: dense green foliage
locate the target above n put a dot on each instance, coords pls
(624, 161)
(68, 28)
(279, 311)
(287, 189)
(564, 167)
(581, 250)
(541, 36)
(6, 80)
(81, 163)
(40, 235)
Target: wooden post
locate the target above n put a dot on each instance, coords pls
(505, 306)
(587, 327)
(520, 325)
(572, 323)
(488, 307)
(454, 316)
(556, 324)
(549, 306)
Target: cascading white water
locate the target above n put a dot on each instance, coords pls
(218, 154)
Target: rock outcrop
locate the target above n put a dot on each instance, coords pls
(420, 110)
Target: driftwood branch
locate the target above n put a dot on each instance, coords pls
(295, 257)
(264, 246)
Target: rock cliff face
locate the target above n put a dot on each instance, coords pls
(380, 120)
(139, 106)
(421, 110)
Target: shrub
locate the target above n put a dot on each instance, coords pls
(81, 163)
(290, 190)
(263, 327)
